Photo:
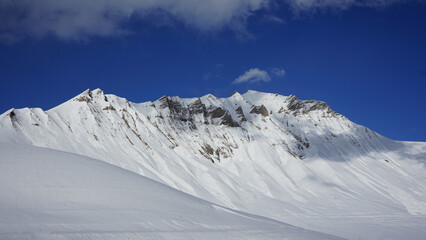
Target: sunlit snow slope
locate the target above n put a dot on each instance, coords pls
(49, 194)
(276, 156)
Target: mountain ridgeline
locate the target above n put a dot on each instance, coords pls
(249, 115)
(276, 156)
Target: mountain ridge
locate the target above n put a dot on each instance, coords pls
(248, 151)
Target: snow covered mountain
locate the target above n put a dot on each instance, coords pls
(277, 156)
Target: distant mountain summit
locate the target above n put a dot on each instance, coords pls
(293, 160)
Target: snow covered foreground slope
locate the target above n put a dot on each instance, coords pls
(276, 156)
(49, 194)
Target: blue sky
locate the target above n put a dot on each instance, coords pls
(366, 59)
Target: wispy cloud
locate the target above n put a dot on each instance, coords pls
(308, 5)
(253, 75)
(273, 19)
(81, 19)
(279, 72)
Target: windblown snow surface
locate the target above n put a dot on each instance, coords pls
(276, 156)
(49, 194)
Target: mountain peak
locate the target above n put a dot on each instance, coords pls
(255, 96)
(235, 93)
(88, 95)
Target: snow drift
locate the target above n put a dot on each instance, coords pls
(49, 194)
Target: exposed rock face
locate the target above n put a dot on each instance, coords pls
(240, 113)
(12, 114)
(197, 107)
(218, 112)
(260, 110)
(228, 121)
(297, 106)
(83, 98)
(109, 108)
(189, 111)
(86, 96)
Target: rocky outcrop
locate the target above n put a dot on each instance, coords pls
(260, 110)
(218, 112)
(297, 106)
(240, 113)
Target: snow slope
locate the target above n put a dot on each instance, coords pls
(277, 156)
(49, 194)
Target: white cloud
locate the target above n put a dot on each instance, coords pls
(81, 19)
(279, 72)
(273, 19)
(253, 75)
(307, 5)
